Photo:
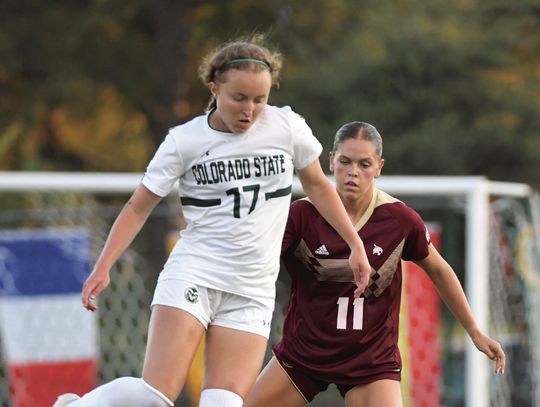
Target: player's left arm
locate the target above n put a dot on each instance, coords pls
(324, 197)
(451, 291)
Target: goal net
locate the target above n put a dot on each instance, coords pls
(515, 297)
(51, 222)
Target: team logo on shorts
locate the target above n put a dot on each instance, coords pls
(192, 295)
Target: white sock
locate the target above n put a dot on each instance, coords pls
(124, 392)
(221, 398)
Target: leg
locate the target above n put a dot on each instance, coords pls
(173, 338)
(380, 393)
(122, 392)
(233, 359)
(273, 387)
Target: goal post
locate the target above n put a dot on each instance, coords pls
(476, 194)
(476, 191)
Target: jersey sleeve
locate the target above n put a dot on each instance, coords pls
(306, 147)
(164, 169)
(417, 237)
(291, 236)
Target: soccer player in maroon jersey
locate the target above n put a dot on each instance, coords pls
(330, 335)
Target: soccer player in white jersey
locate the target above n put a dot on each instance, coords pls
(234, 165)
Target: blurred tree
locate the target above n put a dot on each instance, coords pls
(453, 86)
(88, 86)
(54, 65)
(95, 86)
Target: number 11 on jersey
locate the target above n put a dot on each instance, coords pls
(343, 310)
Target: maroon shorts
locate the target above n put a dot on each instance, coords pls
(309, 385)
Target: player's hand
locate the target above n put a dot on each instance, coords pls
(361, 270)
(96, 282)
(493, 350)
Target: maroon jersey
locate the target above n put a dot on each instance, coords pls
(326, 331)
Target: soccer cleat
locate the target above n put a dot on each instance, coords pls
(65, 399)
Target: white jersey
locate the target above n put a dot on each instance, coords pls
(235, 190)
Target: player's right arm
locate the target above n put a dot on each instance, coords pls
(124, 229)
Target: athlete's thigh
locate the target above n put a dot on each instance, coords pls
(173, 337)
(381, 393)
(274, 388)
(233, 359)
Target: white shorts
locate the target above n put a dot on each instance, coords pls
(215, 307)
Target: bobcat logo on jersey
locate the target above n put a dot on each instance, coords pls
(377, 250)
(192, 295)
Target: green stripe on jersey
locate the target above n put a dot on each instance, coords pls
(186, 200)
(279, 192)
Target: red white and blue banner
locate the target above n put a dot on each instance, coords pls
(49, 341)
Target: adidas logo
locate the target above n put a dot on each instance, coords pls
(322, 250)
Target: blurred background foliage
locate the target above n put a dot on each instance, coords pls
(453, 86)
